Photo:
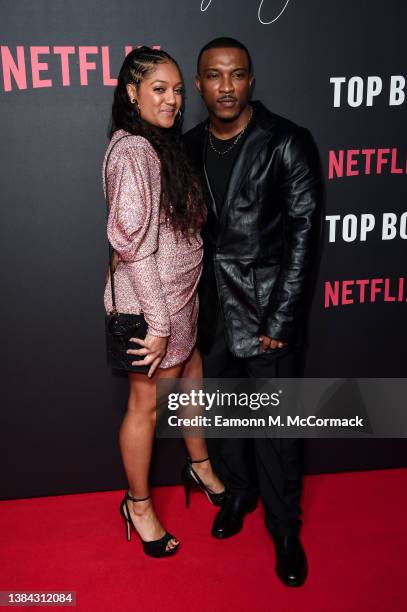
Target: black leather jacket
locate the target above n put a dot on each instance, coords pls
(256, 254)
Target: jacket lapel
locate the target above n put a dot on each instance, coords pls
(248, 153)
(258, 135)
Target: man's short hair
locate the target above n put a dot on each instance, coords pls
(225, 42)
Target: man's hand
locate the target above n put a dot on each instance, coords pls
(153, 350)
(115, 260)
(271, 343)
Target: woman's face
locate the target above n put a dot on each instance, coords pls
(159, 95)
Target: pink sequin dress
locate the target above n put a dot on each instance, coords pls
(159, 271)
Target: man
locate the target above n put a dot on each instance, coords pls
(263, 180)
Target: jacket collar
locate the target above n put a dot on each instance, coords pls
(258, 134)
(263, 119)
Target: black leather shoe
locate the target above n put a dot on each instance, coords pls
(229, 520)
(291, 562)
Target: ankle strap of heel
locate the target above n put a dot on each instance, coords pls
(135, 499)
(198, 461)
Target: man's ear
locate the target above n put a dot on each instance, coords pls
(198, 83)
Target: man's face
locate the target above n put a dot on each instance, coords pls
(224, 82)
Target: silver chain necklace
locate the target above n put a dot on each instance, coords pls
(236, 140)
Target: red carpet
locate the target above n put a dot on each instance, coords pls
(354, 532)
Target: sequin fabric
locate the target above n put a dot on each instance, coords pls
(160, 270)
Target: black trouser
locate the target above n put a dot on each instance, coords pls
(271, 466)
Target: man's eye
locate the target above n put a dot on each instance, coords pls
(239, 75)
(212, 75)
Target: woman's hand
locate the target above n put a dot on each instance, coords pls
(153, 349)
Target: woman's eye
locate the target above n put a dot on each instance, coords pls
(160, 89)
(180, 91)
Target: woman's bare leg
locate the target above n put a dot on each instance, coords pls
(197, 447)
(136, 442)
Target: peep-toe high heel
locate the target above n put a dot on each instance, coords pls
(154, 548)
(192, 480)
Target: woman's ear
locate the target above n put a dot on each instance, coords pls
(131, 92)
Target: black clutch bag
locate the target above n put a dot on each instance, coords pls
(119, 326)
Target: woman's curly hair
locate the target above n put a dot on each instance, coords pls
(182, 196)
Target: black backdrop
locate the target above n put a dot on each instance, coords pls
(61, 407)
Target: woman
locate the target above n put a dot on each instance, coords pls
(156, 209)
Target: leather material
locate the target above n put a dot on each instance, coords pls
(257, 250)
(291, 562)
(229, 519)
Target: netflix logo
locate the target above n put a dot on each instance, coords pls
(355, 162)
(37, 67)
(364, 291)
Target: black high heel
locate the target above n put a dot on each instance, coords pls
(191, 479)
(155, 548)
